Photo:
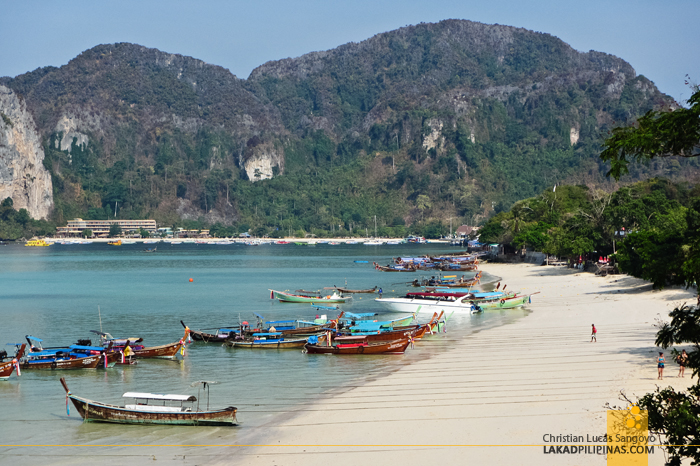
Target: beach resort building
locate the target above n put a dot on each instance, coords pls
(76, 227)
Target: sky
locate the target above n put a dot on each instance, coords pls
(658, 38)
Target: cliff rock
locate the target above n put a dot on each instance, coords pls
(23, 176)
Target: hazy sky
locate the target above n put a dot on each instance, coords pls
(659, 39)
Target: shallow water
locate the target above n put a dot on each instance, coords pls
(54, 293)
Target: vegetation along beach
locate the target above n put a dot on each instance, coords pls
(414, 240)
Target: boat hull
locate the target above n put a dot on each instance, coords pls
(88, 362)
(262, 344)
(412, 305)
(396, 346)
(160, 352)
(6, 369)
(92, 411)
(508, 303)
(290, 298)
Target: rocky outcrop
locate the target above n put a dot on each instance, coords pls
(67, 128)
(23, 176)
(259, 166)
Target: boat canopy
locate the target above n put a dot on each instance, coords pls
(370, 326)
(86, 348)
(273, 322)
(53, 352)
(306, 322)
(268, 334)
(34, 338)
(363, 315)
(159, 396)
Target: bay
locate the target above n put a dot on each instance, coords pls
(54, 293)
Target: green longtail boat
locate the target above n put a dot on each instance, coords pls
(302, 298)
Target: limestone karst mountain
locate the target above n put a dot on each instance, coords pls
(451, 119)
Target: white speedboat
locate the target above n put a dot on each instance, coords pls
(458, 305)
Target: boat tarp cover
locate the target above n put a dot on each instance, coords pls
(280, 322)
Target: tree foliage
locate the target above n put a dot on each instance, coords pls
(19, 224)
(656, 134)
(676, 414)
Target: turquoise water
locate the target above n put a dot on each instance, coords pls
(54, 293)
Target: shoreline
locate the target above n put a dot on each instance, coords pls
(508, 385)
(59, 240)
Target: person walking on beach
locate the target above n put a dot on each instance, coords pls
(660, 364)
(594, 331)
(682, 362)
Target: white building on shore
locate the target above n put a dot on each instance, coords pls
(76, 227)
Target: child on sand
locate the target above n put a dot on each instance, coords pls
(593, 334)
(660, 365)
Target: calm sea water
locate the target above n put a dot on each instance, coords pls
(54, 293)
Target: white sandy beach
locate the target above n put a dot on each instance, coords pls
(509, 385)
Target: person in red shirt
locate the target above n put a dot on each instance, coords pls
(593, 334)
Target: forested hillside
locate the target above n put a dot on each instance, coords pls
(454, 119)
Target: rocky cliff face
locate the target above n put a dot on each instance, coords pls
(22, 174)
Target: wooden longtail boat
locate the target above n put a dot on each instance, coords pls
(222, 334)
(461, 283)
(359, 345)
(504, 303)
(452, 267)
(389, 335)
(88, 362)
(72, 357)
(396, 268)
(143, 413)
(345, 290)
(7, 367)
(168, 351)
(273, 340)
(299, 298)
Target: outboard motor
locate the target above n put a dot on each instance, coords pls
(3, 355)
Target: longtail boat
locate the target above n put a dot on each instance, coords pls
(359, 345)
(365, 319)
(7, 367)
(454, 267)
(505, 303)
(307, 298)
(61, 358)
(461, 283)
(141, 412)
(273, 340)
(221, 335)
(395, 268)
(348, 291)
(55, 362)
(130, 349)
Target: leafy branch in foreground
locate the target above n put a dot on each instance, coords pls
(676, 414)
(657, 134)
